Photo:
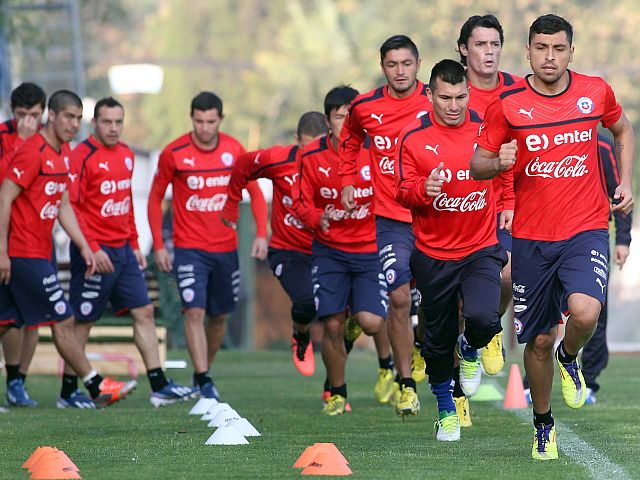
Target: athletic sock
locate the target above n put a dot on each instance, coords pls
(563, 356)
(341, 390)
(444, 396)
(457, 388)
(69, 385)
(202, 378)
(348, 345)
(93, 384)
(13, 372)
(157, 379)
(416, 341)
(408, 382)
(302, 337)
(327, 385)
(542, 418)
(386, 363)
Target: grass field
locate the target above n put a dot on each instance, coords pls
(132, 440)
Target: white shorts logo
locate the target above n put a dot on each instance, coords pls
(518, 325)
(86, 308)
(390, 275)
(519, 308)
(60, 307)
(90, 295)
(316, 302)
(278, 270)
(187, 282)
(56, 296)
(188, 294)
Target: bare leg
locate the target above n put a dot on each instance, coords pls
(374, 326)
(12, 345)
(83, 329)
(400, 329)
(144, 336)
(334, 354)
(585, 311)
(215, 336)
(196, 339)
(70, 347)
(538, 364)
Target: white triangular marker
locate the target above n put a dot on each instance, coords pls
(213, 411)
(244, 427)
(226, 436)
(202, 406)
(223, 418)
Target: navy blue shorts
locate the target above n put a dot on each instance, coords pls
(36, 292)
(546, 273)
(396, 242)
(342, 278)
(293, 271)
(475, 280)
(504, 236)
(125, 288)
(9, 314)
(208, 280)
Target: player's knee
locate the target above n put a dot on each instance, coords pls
(400, 298)
(333, 326)
(584, 311)
(303, 312)
(370, 323)
(143, 314)
(542, 344)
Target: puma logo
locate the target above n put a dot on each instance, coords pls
(482, 125)
(49, 163)
(257, 160)
(599, 282)
(104, 165)
(291, 180)
(377, 117)
(189, 161)
(72, 177)
(526, 113)
(325, 170)
(18, 173)
(433, 149)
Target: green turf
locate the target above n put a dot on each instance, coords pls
(134, 441)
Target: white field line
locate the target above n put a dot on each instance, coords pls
(599, 465)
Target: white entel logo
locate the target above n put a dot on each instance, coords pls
(571, 166)
(474, 201)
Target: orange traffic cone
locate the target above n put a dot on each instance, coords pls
(35, 456)
(307, 456)
(514, 397)
(327, 464)
(314, 450)
(53, 467)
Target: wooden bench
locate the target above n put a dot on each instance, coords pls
(111, 348)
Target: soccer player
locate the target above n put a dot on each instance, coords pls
(33, 195)
(290, 245)
(480, 46)
(19, 344)
(457, 255)
(101, 168)
(544, 128)
(198, 165)
(381, 114)
(346, 271)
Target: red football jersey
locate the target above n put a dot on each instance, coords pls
(43, 174)
(462, 218)
(278, 164)
(557, 178)
(9, 143)
(479, 100)
(381, 117)
(199, 179)
(317, 192)
(100, 192)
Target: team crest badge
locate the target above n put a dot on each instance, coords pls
(585, 105)
(86, 308)
(518, 326)
(227, 158)
(60, 307)
(390, 276)
(128, 162)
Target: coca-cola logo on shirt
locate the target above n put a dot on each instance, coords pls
(337, 214)
(571, 166)
(291, 221)
(195, 203)
(472, 202)
(50, 210)
(114, 208)
(386, 165)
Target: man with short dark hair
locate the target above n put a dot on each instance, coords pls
(100, 193)
(18, 344)
(290, 244)
(381, 114)
(457, 256)
(544, 128)
(32, 196)
(198, 165)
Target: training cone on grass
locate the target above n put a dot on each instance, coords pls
(213, 411)
(35, 456)
(226, 436)
(514, 397)
(327, 464)
(53, 467)
(223, 418)
(202, 406)
(243, 426)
